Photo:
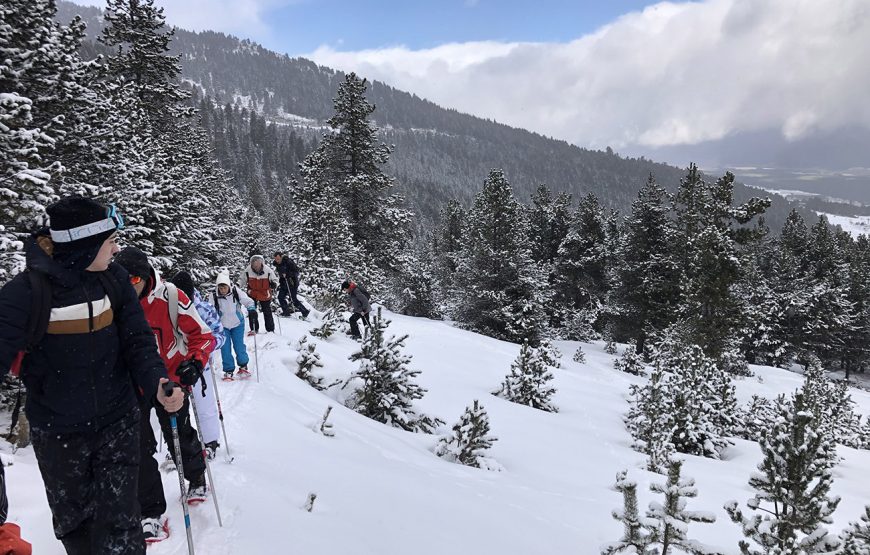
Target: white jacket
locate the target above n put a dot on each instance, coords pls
(227, 307)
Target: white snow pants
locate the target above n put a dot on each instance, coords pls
(206, 408)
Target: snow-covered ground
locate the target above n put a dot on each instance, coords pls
(381, 490)
(856, 225)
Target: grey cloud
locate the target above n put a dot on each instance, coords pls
(671, 74)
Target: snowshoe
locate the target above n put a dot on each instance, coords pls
(252, 333)
(211, 449)
(155, 529)
(228, 377)
(243, 373)
(197, 494)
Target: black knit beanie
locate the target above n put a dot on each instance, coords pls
(135, 262)
(183, 281)
(72, 212)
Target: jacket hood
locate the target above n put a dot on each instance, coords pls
(38, 253)
(223, 278)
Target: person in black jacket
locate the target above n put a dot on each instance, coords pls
(288, 275)
(83, 377)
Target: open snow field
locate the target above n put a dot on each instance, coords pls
(382, 491)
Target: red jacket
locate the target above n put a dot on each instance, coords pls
(200, 341)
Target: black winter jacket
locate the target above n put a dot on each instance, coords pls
(82, 374)
(288, 270)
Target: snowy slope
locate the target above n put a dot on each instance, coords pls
(382, 491)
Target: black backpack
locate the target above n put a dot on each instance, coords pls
(217, 305)
(364, 292)
(38, 319)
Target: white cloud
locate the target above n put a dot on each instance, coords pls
(241, 17)
(671, 74)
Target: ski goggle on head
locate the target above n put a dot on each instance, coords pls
(114, 221)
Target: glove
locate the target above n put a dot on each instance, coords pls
(272, 285)
(189, 372)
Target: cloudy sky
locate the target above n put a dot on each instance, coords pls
(634, 75)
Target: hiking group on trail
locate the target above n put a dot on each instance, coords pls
(99, 344)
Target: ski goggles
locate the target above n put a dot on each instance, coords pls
(114, 221)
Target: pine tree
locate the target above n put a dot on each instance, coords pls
(527, 382)
(634, 538)
(446, 244)
(856, 538)
(650, 420)
(351, 160)
(630, 362)
(499, 285)
(831, 406)
(329, 323)
(387, 392)
(792, 487)
(667, 523)
(755, 418)
(646, 285)
(416, 293)
(580, 269)
(470, 439)
(710, 235)
(307, 362)
(579, 355)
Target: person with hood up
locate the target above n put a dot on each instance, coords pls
(259, 281)
(228, 300)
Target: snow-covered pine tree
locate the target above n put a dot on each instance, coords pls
(733, 362)
(528, 381)
(352, 160)
(755, 417)
(650, 420)
(710, 233)
(499, 285)
(446, 244)
(646, 285)
(550, 354)
(856, 537)
(667, 524)
(610, 347)
(329, 323)
(634, 538)
(793, 485)
(27, 45)
(630, 362)
(388, 391)
(470, 439)
(831, 405)
(322, 233)
(579, 355)
(580, 268)
(416, 284)
(307, 361)
(169, 210)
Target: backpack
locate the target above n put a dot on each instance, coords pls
(40, 311)
(217, 305)
(172, 300)
(364, 292)
(38, 319)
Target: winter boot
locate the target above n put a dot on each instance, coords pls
(243, 372)
(197, 491)
(155, 529)
(228, 376)
(211, 449)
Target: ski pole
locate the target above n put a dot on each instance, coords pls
(220, 412)
(256, 359)
(280, 331)
(207, 465)
(173, 423)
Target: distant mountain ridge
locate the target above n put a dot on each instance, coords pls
(439, 153)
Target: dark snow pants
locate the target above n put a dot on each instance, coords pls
(91, 480)
(151, 497)
(290, 287)
(192, 457)
(354, 327)
(254, 320)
